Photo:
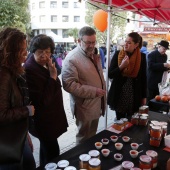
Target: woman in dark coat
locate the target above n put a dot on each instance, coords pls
(46, 95)
(128, 71)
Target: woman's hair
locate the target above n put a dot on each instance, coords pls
(11, 40)
(136, 38)
(42, 42)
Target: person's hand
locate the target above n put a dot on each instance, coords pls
(100, 92)
(124, 63)
(31, 110)
(52, 69)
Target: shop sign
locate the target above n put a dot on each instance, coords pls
(156, 29)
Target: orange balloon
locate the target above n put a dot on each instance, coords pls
(100, 20)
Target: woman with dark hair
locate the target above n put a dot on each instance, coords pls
(46, 95)
(14, 100)
(128, 71)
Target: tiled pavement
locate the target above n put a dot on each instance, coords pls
(68, 140)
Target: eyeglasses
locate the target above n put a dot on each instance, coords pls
(40, 52)
(89, 43)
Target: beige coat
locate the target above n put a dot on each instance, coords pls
(81, 79)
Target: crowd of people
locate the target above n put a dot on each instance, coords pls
(31, 90)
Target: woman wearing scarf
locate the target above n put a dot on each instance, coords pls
(128, 71)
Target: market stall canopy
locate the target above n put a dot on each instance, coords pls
(158, 10)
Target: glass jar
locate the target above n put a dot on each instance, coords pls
(154, 156)
(127, 165)
(156, 131)
(119, 125)
(155, 141)
(84, 161)
(143, 120)
(135, 119)
(62, 164)
(94, 154)
(164, 130)
(94, 164)
(125, 122)
(145, 162)
(144, 109)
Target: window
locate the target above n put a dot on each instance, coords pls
(53, 4)
(76, 5)
(42, 18)
(65, 18)
(42, 4)
(65, 33)
(33, 5)
(65, 4)
(53, 18)
(54, 31)
(76, 18)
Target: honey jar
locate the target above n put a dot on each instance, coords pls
(144, 109)
(154, 156)
(94, 164)
(143, 120)
(135, 119)
(84, 161)
(155, 131)
(155, 141)
(145, 162)
(94, 154)
(119, 125)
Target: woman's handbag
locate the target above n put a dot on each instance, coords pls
(164, 86)
(12, 141)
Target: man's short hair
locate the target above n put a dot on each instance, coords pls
(86, 31)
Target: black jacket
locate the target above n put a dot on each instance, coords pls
(155, 69)
(139, 83)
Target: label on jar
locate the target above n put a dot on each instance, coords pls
(84, 157)
(94, 153)
(63, 163)
(94, 162)
(127, 164)
(51, 166)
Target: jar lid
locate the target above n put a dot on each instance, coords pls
(119, 122)
(145, 158)
(51, 166)
(143, 117)
(151, 153)
(156, 127)
(164, 127)
(63, 163)
(84, 157)
(135, 116)
(127, 164)
(94, 153)
(163, 123)
(144, 114)
(94, 162)
(70, 168)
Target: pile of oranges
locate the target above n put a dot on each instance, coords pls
(162, 98)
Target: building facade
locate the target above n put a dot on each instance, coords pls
(56, 17)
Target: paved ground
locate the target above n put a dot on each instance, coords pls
(68, 140)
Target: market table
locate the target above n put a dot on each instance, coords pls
(138, 134)
(158, 106)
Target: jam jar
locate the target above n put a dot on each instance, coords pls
(84, 161)
(144, 109)
(155, 131)
(135, 119)
(94, 154)
(154, 156)
(143, 120)
(155, 141)
(94, 164)
(145, 162)
(127, 165)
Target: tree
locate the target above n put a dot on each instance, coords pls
(73, 33)
(117, 24)
(14, 13)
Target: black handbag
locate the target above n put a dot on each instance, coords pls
(12, 141)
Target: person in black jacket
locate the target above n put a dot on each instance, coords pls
(157, 64)
(128, 71)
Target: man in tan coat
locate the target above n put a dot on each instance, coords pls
(82, 77)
